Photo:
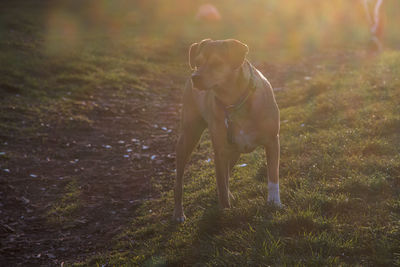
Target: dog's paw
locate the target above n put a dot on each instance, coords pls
(179, 216)
(225, 205)
(276, 204)
(179, 219)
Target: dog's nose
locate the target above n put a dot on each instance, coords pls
(196, 79)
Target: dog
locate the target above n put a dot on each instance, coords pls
(230, 97)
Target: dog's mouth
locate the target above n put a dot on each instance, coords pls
(200, 83)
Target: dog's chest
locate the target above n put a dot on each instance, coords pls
(245, 139)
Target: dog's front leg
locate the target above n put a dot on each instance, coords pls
(272, 151)
(188, 138)
(233, 158)
(222, 172)
(222, 162)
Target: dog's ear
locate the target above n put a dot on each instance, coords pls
(194, 50)
(236, 51)
(192, 54)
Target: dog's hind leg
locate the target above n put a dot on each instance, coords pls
(188, 138)
(272, 151)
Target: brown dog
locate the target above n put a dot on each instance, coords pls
(235, 101)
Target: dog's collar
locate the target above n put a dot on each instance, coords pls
(230, 110)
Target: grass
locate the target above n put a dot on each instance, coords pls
(62, 212)
(340, 177)
(340, 144)
(45, 75)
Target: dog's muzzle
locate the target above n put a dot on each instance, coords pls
(198, 83)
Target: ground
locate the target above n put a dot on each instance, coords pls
(72, 184)
(99, 173)
(87, 134)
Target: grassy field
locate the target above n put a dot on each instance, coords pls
(70, 71)
(340, 179)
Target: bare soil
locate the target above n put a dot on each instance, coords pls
(112, 163)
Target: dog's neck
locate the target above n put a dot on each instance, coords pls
(230, 92)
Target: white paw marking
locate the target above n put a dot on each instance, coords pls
(276, 203)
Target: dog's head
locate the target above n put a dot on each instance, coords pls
(214, 62)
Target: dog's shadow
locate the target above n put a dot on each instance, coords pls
(215, 219)
(212, 221)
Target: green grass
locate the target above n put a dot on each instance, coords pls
(340, 142)
(340, 177)
(62, 212)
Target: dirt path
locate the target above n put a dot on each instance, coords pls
(96, 175)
